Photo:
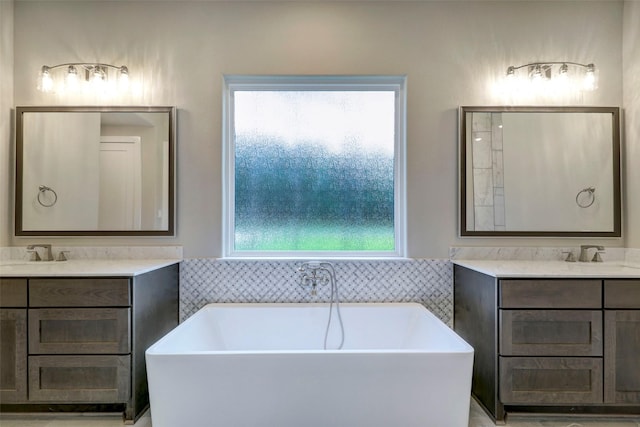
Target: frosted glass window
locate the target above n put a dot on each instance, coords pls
(314, 167)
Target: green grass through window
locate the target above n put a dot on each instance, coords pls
(314, 237)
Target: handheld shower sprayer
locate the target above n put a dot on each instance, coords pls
(314, 273)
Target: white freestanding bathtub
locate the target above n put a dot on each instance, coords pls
(263, 365)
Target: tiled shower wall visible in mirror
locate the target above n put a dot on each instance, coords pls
(425, 281)
(488, 172)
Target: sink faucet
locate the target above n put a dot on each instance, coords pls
(584, 257)
(48, 256)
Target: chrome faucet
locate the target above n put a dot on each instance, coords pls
(48, 256)
(584, 256)
(314, 273)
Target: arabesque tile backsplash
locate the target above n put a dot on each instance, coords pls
(425, 281)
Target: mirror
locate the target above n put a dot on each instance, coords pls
(540, 171)
(91, 171)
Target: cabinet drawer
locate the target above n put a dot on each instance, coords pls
(79, 292)
(551, 332)
(79, 330)
(622, 293)
(13, 292)
(550, 294)
(550, 380)
(79, 379)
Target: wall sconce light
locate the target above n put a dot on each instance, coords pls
(581, 76)
(79, 76)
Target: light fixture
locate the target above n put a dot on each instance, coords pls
(561, 73)
(92, 76)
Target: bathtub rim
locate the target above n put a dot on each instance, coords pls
(466, 348)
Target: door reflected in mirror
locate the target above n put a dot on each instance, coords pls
(540, 171)
(95, 170)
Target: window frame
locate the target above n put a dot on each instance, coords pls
(234, 83)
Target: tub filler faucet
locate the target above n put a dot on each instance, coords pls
(314, 273)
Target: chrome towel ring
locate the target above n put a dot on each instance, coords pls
(42, 193)
(586, 197)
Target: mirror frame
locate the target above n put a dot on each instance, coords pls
(171, 114)
(462, 172)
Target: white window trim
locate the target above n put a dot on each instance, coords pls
(232, 83)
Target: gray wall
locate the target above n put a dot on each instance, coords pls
(6, 106)
(631, 102)
(452, 53)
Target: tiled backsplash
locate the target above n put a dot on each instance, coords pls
(426, 281)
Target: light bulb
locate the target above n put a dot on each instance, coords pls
(511, 73)
(590, 78)
(98, 74)
(71, 79)
(123, 79)
(564, 68)
(46, 81)
(98, 79)
(536, 76)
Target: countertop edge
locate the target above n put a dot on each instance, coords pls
(85, 268)
(551, 269)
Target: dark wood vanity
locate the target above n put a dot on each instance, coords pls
(78, 343)
(546, 344)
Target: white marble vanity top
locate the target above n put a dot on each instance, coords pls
(553, 269)
(82, 267)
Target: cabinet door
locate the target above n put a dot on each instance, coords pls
(79, 379)
(79, 330)
(622, 356)
(551, 332)
(550, 380)
(13, 355)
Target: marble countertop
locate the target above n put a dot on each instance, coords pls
(553, 269)
(82, 268)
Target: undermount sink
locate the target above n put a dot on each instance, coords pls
(630, 265)
(12, 262)
(16, 263)
(607, 264)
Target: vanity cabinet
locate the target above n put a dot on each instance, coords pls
(551, 345)
(13, 332)
(87, 337)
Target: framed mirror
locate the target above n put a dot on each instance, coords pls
(95, 171)
(540, 171)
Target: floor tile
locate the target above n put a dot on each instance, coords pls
(477, 418)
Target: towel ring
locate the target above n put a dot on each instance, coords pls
(590, 197)
(43, 191)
